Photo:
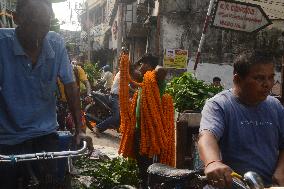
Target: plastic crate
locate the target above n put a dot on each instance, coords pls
(65, 143)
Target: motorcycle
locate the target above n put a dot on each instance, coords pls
(99, 87)
(98, 110)
(165, 177)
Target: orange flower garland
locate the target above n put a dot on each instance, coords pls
(156, 117)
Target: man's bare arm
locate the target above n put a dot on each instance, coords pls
(216, 171)
(73, 99)
(208, 147)
(161, 73)
(88, 87)
(278, 176)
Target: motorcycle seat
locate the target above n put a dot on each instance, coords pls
(165, 173)
(103, 97)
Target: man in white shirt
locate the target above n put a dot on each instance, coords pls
(114, 120)
(107, 77)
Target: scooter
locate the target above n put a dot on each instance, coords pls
(98, 110)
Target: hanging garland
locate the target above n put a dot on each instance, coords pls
(157, 135)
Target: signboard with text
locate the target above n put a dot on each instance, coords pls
(175, 58)
(239, 16)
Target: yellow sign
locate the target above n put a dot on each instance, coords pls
(175, 58)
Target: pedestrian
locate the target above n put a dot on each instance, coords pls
(147, 62)
(242, 129)
(62, 113)
(31, 60)
(107, 77)
(217, 82)
(113, 121)
(147, 120)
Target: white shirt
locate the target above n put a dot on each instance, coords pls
(107, 77)
(115, 86)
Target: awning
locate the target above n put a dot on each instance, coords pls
(273, 8)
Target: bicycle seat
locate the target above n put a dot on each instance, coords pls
(165, 173)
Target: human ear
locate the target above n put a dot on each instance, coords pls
(236, 79)
(17, 18)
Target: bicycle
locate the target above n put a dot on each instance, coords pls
(165, 177)
(29, 179)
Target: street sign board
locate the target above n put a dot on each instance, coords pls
(239, 16)
(175, 58)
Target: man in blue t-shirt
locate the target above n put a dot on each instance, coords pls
(242, 129)
(31, 60)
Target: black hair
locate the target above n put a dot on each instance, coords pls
(149, 59)
(216, 79)
(21, 4)
(247, 59)
(106, 68)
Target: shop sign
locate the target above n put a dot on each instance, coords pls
(175, 58)
(239, 16)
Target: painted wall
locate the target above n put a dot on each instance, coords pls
(206, 72)
(171, 33)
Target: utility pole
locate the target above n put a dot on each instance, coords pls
(88, 32)
(79, 11)
(119, 28)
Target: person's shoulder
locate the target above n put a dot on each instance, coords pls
(7, 33)
(109, 73)
(270, 100)
(79, 68)
(221, 97)
(54, 37)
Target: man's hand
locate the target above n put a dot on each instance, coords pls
(278, 175)
(278, 179)
(82, 136)
(219, 175)
(88, 99)
(161, 73)
(78, 137)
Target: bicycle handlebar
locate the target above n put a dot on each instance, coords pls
(44, 155)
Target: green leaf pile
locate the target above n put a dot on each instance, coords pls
(93, 71)
(190, 93)
(108, 174)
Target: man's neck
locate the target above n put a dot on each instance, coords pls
(243, 98)
(32, 50)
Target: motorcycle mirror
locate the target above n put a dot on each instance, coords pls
(253, 180)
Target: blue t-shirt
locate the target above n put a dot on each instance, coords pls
(249, 137)
(27, 94)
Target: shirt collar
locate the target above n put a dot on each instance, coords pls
(46, 47)
(18, 50)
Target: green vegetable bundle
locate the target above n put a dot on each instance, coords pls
(190, 93)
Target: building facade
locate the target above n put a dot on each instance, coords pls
(157, 25)
(7, 7)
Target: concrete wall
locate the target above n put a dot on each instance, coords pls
(171, 33)
(207, 71)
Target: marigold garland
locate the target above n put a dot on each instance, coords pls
(157, 136)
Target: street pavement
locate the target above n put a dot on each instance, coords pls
(107, 143)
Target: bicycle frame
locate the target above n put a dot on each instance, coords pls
(44, 155)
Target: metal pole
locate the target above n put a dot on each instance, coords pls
(282, 80)
(120, 24)
(88, 32)
(205, 27)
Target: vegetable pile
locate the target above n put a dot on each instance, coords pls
(190, 93)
